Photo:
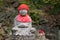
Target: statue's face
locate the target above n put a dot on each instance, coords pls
(23, 12)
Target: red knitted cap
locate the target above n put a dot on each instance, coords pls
(23, 6)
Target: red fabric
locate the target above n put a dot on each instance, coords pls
(23, 6)
(23, 18)
(40, 31)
